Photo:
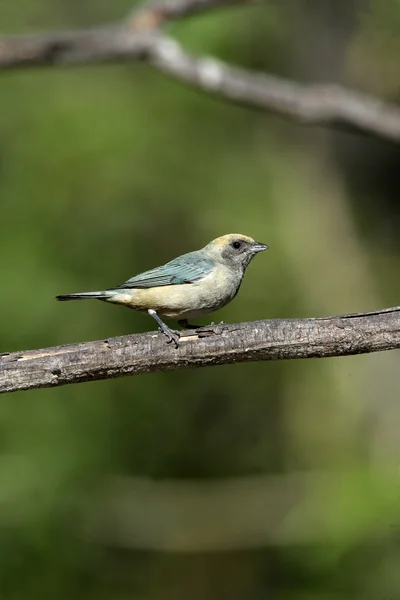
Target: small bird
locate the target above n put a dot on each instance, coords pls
(189, 286)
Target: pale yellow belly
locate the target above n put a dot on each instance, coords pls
(184, 301)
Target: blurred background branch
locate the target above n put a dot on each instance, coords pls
(154, 14)
(222, 344)
(140, 39)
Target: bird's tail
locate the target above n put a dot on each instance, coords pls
(84, 296)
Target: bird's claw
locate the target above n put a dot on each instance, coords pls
(210, 330)
(172, 335)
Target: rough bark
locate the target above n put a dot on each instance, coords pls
(222, 344)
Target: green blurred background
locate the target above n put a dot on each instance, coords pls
(270, 480)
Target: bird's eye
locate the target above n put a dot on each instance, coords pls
(236, 245)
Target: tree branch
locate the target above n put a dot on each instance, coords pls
(317, 104)
(139, 38)
(131, 39)
(244, 342)
(155, 14)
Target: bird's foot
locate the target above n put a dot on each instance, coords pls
(172, 334)
(184, 324)
(201, 331)
(210, 330)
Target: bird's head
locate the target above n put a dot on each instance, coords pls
(234, 249)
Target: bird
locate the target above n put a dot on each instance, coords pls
(187, 287)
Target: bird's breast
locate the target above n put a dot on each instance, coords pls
(188, 300)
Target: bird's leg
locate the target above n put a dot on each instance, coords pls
(185, 325)
(172, 335)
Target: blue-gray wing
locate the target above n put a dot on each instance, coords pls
(185, 269)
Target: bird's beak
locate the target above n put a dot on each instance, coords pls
(258, 247)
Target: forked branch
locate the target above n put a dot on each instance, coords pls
(140, 38)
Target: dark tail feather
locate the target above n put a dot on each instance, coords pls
(83, 296)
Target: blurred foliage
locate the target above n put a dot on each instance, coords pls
(111, 170)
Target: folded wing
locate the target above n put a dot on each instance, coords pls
(188, 268)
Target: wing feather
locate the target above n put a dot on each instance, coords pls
(188, 268)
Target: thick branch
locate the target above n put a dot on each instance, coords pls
(106, 44)
(139, 38)
(261, 340)
(129, 40)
